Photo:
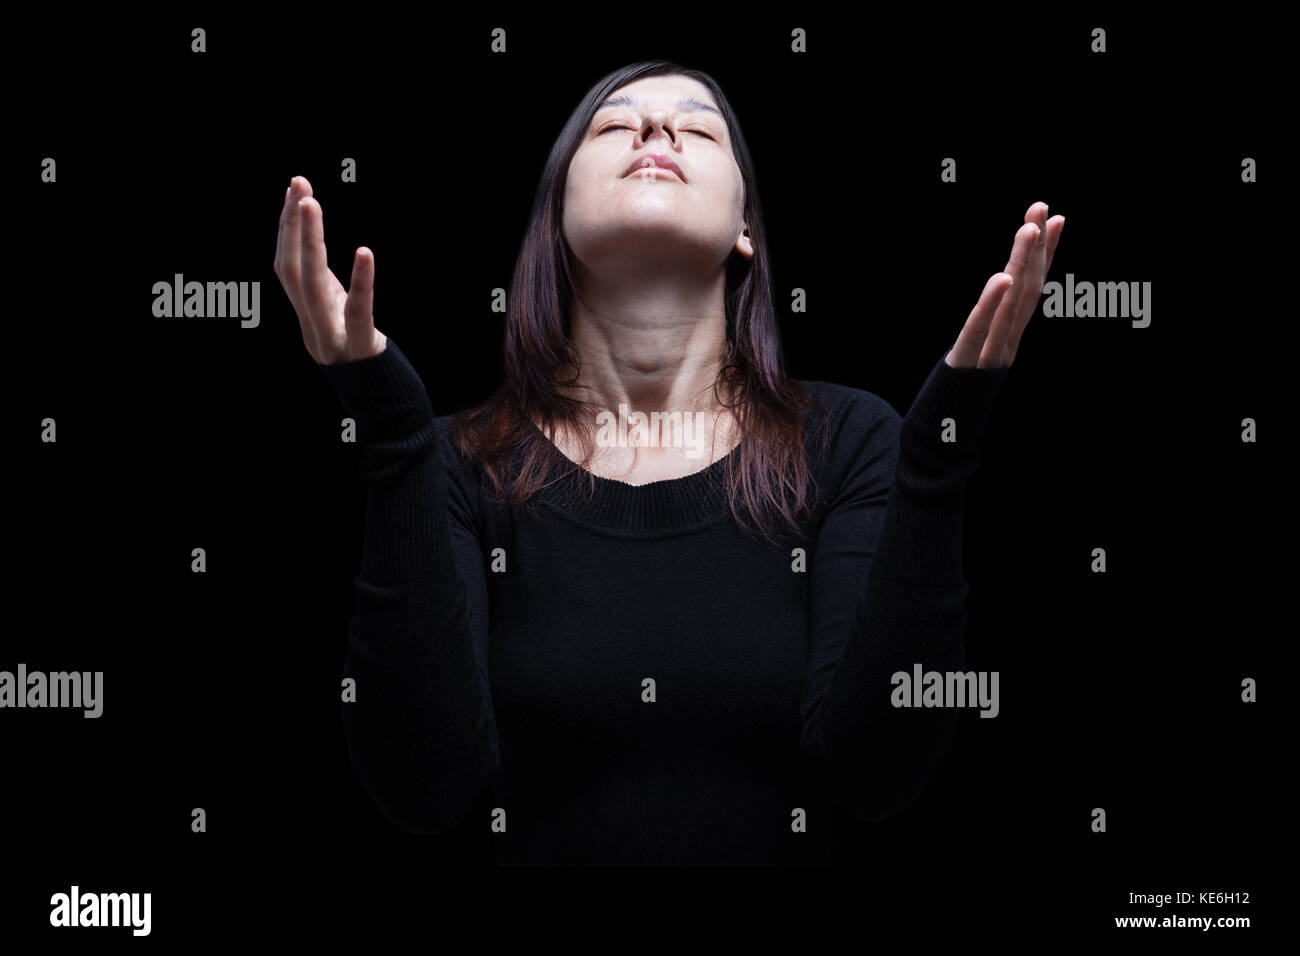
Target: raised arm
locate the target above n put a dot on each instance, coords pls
(420, 732)
(887, 589)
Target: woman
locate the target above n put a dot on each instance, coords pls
(635, 644)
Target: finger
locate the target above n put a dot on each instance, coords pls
(287, 252)
(333, 286)
(994, 354)
(1031, 286)
(1054, 227)
(1052, 237)
(290, 256)
(290, 261)
(289, 249)
(315, 285)
(358, 314)
(279, 233)
(966, 352)
(1030, 293)
(1031, 215)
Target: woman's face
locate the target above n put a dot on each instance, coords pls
(620, 205)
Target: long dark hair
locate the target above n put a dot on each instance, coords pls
(767, 475)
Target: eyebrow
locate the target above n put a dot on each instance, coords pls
(685, 103)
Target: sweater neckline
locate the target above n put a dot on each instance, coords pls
(665, 507)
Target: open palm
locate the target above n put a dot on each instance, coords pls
(338, 324)
(991, 335)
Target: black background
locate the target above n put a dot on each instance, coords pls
(1118, 690)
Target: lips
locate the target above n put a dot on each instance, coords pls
(658, 160)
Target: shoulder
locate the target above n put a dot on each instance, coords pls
(851, 414)
(464, 476)
(853, 438)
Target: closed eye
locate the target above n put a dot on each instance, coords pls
(695, 131)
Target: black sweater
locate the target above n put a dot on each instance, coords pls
(771, 685)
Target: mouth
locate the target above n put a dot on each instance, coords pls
(656, 161)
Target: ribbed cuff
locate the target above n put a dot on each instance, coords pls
(930, 464)
(379, 389)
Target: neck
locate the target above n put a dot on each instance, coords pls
(649, 338)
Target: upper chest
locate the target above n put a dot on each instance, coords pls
(650, 450)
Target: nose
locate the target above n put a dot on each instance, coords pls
(657, 123)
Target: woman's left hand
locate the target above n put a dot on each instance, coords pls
(992, 333)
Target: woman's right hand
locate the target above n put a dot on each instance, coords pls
(337, 323)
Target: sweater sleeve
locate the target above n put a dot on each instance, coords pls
(420, 732)
(887, 590)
